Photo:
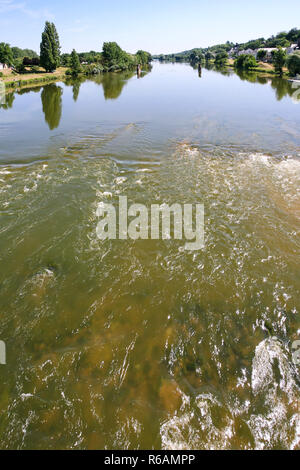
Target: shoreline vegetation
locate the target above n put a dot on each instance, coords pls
(25, 68)
(20, 70)
(279, 55)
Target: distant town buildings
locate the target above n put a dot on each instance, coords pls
(235, 52)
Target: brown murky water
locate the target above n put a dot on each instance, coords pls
(141, 345)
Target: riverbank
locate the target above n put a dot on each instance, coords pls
(14, 80)
(262, 68)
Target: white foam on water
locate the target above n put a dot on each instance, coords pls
(279, 394)
(260, 158)
(120, 180)
(187, 150)
(191, 429)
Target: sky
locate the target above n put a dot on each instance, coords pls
(158, 26)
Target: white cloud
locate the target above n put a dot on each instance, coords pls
(7, 6)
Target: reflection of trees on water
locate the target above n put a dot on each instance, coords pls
(281, 86)
(52, 104)
(75, 83)
(51, 96)
(113, 83)
(35, 89)
(10, 97)
(8, 101)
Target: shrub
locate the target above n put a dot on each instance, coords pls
(279, 60)
(245, 62)
(93, 69)
(221, 58)
(20, 68)
(293, 64)
(261, 55)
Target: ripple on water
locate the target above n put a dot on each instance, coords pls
(138, 344)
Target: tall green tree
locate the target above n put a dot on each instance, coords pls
(50, 48)
(293, 64)
(75, 63)
(112, 52)
(6, 56)
(279, 60)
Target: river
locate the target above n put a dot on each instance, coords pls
(141, 344)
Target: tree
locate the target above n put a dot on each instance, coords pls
(196, 56)
(245, 62)
(293, 64)
(293, 35)
(75, 63)
(221, 59)
(143, 57)
(6, 56)
(112, 53)
(21, 53)
(261, 55)
(279, 60)
(28, 62)
(50, 48)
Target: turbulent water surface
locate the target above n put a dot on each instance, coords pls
(141, 344)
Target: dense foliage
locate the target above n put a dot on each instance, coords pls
(112, 58)
(75, 63)
(6, 56)
(283, 39)
(261, 55)
(279, 60)
(221, 59)
(245, 62)
(293, 64)
(21, 53)
(50, 48)
(29, 62)
(143, 57)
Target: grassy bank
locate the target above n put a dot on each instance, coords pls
(13, 80)
(262, 68)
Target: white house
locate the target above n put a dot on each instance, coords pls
(269, 51)
(3, 66)
(248, 52)
(233, 52)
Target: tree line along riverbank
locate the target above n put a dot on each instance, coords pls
(18, 70)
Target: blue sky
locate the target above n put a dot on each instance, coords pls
(154, 25)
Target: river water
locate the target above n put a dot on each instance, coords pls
(141, 344)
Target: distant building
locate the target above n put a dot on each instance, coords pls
(233, 52)
(290, 50)
(3, 66)
(269, 52)
(248, 52)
